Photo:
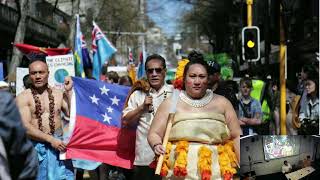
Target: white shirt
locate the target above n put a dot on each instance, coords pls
(286, 169)
(143, 153)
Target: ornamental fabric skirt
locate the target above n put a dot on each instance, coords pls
(192, 163)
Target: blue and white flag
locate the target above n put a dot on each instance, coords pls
(78, 50)
(102, 50)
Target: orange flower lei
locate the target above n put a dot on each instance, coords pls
(205, 162)
(180, 165)
(166, 161)
(227, 160)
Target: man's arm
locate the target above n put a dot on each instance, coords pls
(251, 121)
(25, 111)
(257, 117)
(67, 95)
(33, 132)
(134, 112)
(66, 103)
(132, 117)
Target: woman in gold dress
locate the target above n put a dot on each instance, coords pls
(204, 139)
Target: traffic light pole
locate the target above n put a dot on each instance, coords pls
(282, 58)
(249, 12)
(249, 21)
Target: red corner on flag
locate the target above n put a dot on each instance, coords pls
(28, 50)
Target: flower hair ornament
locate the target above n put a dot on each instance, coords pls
(178, 82)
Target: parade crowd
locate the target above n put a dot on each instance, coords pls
(204, 141)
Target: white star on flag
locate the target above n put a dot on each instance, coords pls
(106, 118)
(115, 101)
(94, 99)
(104, 90)
(110, 109)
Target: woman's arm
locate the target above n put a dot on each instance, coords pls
(234, 127)
(158, 127)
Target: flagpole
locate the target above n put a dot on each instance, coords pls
(168, 129)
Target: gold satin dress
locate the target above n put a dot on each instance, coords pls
(204, 128)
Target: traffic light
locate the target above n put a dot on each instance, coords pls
(251, 43)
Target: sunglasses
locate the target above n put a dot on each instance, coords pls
(157, 70)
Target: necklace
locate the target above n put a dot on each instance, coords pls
(164, 97)
(38, 109)
(197, 103)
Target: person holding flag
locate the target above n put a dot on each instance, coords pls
(141, 108)
(40, 108)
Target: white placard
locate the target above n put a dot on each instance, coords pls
(21, 72)
(59, 68)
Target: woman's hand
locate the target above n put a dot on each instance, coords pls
(159, 149)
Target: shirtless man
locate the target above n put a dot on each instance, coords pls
(40, 108)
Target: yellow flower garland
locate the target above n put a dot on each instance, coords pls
(166, 161)
(226, 160)
(181, 64)
(205, 162)
(178, 82)
(181, 154)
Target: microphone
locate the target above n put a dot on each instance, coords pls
(150, 108)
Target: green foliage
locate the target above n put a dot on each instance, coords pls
(220, 58)
(209, 57)
(224, 60)
(226, 73)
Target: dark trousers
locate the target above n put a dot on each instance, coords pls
(309, 129)
(144, 173)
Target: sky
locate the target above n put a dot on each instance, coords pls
(167, 14)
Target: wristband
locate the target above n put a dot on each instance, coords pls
(156, 145)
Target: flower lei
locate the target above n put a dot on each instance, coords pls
(178, 82)
(180, 165)
(205, 162)
(227, 160)
(166, 161)
(38, 112)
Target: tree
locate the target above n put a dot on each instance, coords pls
(74, 11)
(212, 19)
(23, 8)
(122, 16)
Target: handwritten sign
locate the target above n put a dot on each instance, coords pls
(59, 68)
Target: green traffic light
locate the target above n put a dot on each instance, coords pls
(250, 44)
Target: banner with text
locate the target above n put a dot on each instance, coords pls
(59, 68)
(21, 72)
